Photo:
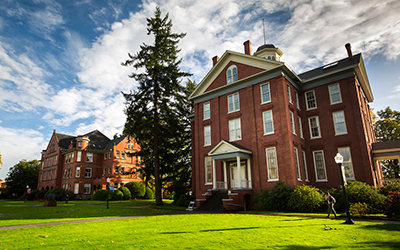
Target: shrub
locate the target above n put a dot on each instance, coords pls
(306, 199)
(100, 195)
(359, 209)
(390, 186)
(149, 194)
(40, 195)
(137, 189)
(393, 205)
(117, 195)
(56, 193)
(363, 193)
(71, 195)
(277, 199)
(260, 200)
(184, 200)
(126, 192)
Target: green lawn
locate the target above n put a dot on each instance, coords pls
(199, 231)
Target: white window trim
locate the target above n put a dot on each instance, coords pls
(315, 99)
(78, 172)
(305, 165)
(272, 120)
(296, 155)
(354, 177)
(237, 138)
(300, 127)
(319, 128)
(269, 88)
(205, 141)
(205, 169)
(276, 160)
(204, 111)
(289, 93)
(344, 121)
(315, 167)
(91, 172)
(232, 75)
(233, 102)
(296, 97)
(292, 123)
(330, 94)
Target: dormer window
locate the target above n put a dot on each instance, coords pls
(231, 74)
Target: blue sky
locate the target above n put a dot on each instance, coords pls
(60, 60)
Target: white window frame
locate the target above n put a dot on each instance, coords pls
(235, 130)
(300, 127)
(105, 156)
(86, 188)
(317, 179)
(88, 172)
(76, 187)
(347, 163)
(314, 99)
(336, 122)
(311, 128)
(89, 157)
(78, 172)
(269, 164)
(233, 103)
(296, 97)
(338, 93)
(206, 111)
(231, 76)
(79, 156)
(297, 163)
(305, 165)
(117, 155)
(289, 93)
(292, 123)
(208, 170)
(267, 94)
(265, 121)
(207, 135)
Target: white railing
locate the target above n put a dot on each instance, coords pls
(222, 185)
(246, 184)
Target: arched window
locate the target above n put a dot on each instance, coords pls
(231, 74)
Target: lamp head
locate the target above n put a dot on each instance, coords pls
(338, 158)
(108, 180)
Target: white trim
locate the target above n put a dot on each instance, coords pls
(233, 102)
(205, 144)
(348, 163)
(300, 127)
(305, 165)
(315, 166)
(334, 123)
(230, 69)
(272, 121)
(318, 126)
(296, 97)
(269, 92)
(276, 163)
(315, 100)
(204, 111)
(205, 170)
(289, 93)
(292, 123)
(297, 163)
(236, 136)
(330, 94)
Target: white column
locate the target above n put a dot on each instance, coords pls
(225, 177)
(249, 173)
(214, 176)
(239, 177)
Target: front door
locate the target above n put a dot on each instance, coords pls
(233, 173)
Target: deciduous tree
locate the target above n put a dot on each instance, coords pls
(22, 174)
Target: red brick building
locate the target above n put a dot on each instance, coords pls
(253, 111)
(83, 163)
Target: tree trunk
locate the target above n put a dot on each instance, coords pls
(156, 156)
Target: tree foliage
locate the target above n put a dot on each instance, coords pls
(22, 174)
(1, 160)
(157, 111)
(387, 128)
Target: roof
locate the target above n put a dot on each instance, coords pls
(271, 46)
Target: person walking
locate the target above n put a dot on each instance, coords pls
(331, 203)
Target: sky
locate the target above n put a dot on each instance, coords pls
(60, 61)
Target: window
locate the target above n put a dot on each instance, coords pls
(300, 128)
(338, 121)
(296, 161)
(235, 133)
(104, 171)
(268, 122)
(305, 165)
(86, 188)
(310, 98)
(207, 135)
(347, 163)
(79, 156)
(265, 93)
(117, 155)
(123, 155)
(109, 156)
(105, 156)
(122, 170)
(319, 164)
(109, 170)
(314, 127)
(231, 74)
(79, 144)
(76, 188)
(78, 172)
(88, 172)
(208, 170)
(334, 93)
(116, 170)
(89, 157)
(233, 103)
(292, 122)
(69, 158)
(296, 97)
(289, 93)
(272, 165)
(206, 110)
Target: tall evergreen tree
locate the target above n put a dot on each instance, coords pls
(155, 111)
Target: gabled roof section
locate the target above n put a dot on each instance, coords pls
(227, 57)
(228, 150)
(115, 141)
(64, 140)
(98, 141)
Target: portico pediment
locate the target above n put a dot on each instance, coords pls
(225, 150)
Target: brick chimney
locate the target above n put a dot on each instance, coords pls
(247, 47)
(215, 60)
(348, 48)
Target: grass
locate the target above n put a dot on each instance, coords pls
(193, 231)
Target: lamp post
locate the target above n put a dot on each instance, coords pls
(339, 161)
(108, 188)
(26, 197)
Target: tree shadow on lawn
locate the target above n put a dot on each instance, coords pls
(387, 227)
(214, 230)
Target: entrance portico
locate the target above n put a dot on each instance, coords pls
(239, 167)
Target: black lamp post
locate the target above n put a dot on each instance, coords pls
(108, 188)
(339, 161)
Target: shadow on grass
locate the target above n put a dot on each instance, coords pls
(214, 230)
(300, 247)
(378, 244)
(386, 227)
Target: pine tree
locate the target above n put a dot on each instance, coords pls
(156, 111)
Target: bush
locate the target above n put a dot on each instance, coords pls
(71, 195)
(260, 200)
(126, 192)
(137, 189)
(363, 193)
(274, 200)
(56, 193)
(306, 199)
(184, 200)
(359, 209)
(393, 205)
(100, 195)
(117, 195)
(390, 186)
(40, 195)
(149, 194)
